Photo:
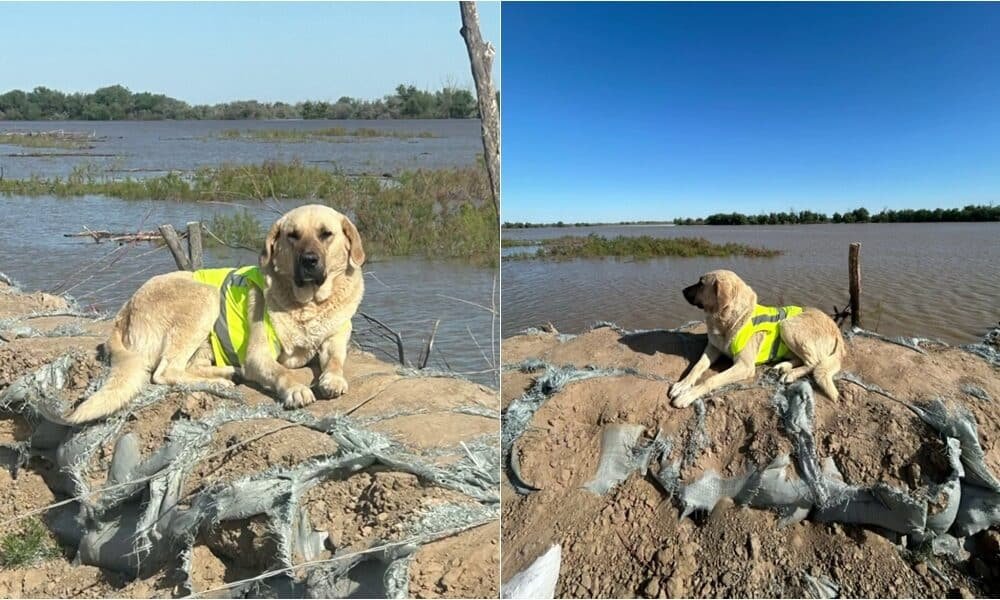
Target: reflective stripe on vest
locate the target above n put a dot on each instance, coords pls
(767, 320)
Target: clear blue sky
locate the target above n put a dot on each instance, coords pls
(653, 111)
(216, 52)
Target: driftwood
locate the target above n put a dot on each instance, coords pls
(191, 260)
(481, 59)
(117, 236)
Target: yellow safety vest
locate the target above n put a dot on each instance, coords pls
(766, 319)
(231, 333)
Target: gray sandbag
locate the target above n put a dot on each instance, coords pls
(618, 457)
(767, 489)
(978, 511)
(881, 505)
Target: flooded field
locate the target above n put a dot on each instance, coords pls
(145, 148)
(938, 280)
(407, 294)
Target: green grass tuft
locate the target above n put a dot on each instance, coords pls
(33, 543)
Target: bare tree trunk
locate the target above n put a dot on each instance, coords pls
(481, 58)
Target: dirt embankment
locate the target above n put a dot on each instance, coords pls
(633, 541)
(220, 488)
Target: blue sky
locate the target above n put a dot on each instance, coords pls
(216, 52)
(655, 111)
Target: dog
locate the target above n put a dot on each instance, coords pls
(806, 340)
(206, 326)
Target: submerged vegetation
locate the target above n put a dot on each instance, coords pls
(118, 103)
(639, 248)
(303, 135)
(440, 214)
(507, 243)
(46, 139)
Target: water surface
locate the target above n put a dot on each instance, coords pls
(932, 279)
(146, 148)
(406, 294)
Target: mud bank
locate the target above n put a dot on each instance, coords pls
(761, 490)
(392, 489)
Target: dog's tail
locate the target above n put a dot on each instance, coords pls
(828, 367)
(129, 373)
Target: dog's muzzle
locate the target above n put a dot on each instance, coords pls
(309, 268)
(691, 293)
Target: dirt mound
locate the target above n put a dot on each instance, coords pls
(391, 488)
(564, 394)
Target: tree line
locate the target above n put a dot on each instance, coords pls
(971, 212)
(118, 103)
(527, 225)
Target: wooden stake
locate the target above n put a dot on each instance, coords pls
(194, 245)
(854, 264)
(174, 243)
(481, 59)
(429, 346)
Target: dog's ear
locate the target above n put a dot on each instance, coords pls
(355, 251)
(267, 253)
(725, 293)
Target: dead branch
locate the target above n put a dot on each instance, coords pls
(430, 345)
(118, 236)
(388, 333)
(481, 60)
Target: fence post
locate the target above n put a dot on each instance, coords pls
(194, 245)
(854, 264)
(174, 243)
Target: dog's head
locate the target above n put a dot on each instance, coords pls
(720, 293)
(309, 246)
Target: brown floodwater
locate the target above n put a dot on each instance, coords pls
(939, 280)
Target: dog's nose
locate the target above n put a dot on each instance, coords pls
(309, 260)
(690, 292)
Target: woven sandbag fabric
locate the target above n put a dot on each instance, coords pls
(139, 493)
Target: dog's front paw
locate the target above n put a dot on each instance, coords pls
(332, 385)
(685, 398)
(298, 396)
(677, 389)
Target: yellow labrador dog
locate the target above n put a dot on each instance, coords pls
(805, 340)
(205, 326)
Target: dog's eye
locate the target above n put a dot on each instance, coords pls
(293, 235)
(325, 235)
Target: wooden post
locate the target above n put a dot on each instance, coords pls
(174, 243)
(481, 58)
(854, 264)
(194, 245)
